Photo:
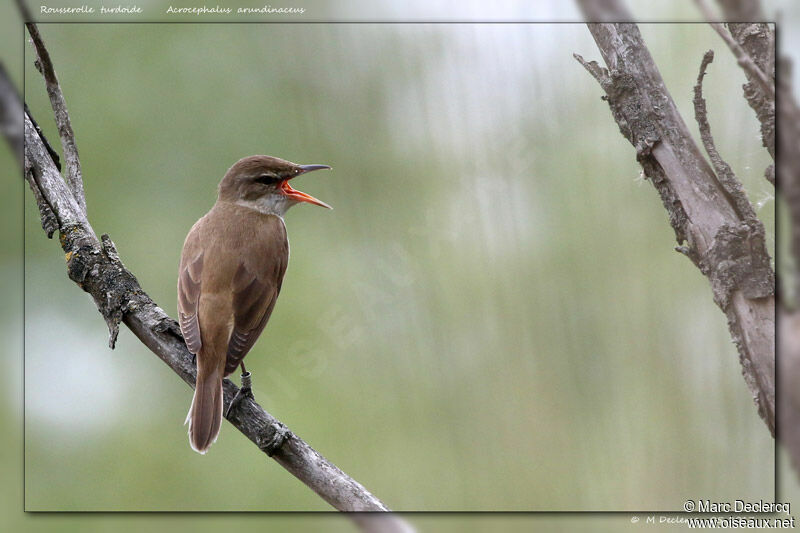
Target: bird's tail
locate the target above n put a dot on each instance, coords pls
(205, 414)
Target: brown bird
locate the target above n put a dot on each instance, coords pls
(230, 274)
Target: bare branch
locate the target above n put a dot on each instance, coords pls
(59, 105)
(743, 58)
(95, 266)
(12, 127)
(50, 150)
(725, 244)
(753, 44)
(759, 42)
(745, 61)
(11, 124)
(599, 73)
(727, 179)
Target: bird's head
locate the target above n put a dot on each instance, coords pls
(262, 182)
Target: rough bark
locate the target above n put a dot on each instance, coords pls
(753, 46)
(44, 64)
(95, 266)
(744, 20)
(713, 227)
(758, 40)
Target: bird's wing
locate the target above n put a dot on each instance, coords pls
(256, 286)
(189, 273)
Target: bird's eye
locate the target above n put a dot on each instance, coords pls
(267, 179)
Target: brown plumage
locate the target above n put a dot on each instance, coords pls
(230, 275)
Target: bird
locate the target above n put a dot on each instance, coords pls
(230, 274)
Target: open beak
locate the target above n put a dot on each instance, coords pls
(300, 196)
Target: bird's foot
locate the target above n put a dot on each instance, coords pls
(273, 444)
(245, 392)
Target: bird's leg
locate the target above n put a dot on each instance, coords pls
(247, 382)
(246, 391)
(280, 433)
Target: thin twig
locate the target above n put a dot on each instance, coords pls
(599, 73)
(725, 175)
(744, 59)
(59, 105)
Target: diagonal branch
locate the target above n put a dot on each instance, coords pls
(95, 266)
(721, 240)
(45, 65)
(11, 125)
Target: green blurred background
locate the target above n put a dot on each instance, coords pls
(492, 317)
